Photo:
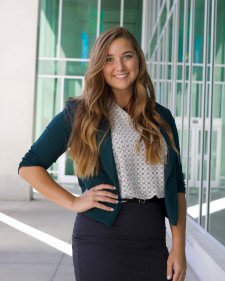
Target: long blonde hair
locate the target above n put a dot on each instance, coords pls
(94, 106)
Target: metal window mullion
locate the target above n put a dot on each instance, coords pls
(174, 2)
(212, 59)
(60, 76)
(163, 67)
(151, 3)
(61, 164)
(158, 9)
(98, 18)
(59, 28)
(156, 23)
(63, 59)
(163, 30)
(172, 65)
(153, 17)
(158, 64)
(189, 83)
(204, 90)
(158, 72)
(121, 12)
(175, 51)
(219, 65)
(183, 76)
(153, 69)
(166, 64)
(144, 33)
(61, 81)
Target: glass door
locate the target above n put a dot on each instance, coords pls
(66, 169)
(195, 151)
(195, 155)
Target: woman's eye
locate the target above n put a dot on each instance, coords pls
(109, 59)
(127, 57)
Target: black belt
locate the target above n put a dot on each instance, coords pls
(142, 201)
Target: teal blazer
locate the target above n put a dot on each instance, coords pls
(53, 142)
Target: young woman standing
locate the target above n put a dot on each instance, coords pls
(126, 150)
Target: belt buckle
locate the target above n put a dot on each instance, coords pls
(142, 201)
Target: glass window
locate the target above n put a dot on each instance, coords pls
(178, 100)
(132, 18)
(170, 46)
(206, 180)
(110, 14)
(48, 36)
(153, 43)
(163, 18)
(199, 31)
(72, 88)
(188, 11)
(47, 102)
(180, 57)
(196, 118)
(79, 27)
(65, 40)
(217, 183)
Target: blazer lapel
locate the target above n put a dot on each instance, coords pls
(106, 153)
(170, 156)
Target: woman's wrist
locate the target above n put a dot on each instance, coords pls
(73, 203)
(178, 247)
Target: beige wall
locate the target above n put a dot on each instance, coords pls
(18, 39)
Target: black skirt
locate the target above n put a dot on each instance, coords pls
(132, 249)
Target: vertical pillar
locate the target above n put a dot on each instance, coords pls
(18, 44)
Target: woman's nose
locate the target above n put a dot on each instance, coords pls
(120, 64)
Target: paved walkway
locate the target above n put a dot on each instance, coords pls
(25, 253)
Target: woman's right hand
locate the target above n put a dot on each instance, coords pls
(92, 198)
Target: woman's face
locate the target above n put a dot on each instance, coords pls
(121, 67)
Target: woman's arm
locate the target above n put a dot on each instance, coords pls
(44, 152)
(176, 263)
(40, 179)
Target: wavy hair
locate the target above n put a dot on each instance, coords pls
(94, 106)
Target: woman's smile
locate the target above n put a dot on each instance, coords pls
(121, 67)
(121, 76)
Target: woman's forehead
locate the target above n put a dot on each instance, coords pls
(120, 45)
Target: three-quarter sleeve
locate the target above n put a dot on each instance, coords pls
(180, 176)
(51, 144)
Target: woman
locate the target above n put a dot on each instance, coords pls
(126, 150)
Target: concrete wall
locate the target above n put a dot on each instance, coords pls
(18, 40)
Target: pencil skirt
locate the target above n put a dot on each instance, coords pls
(132, 249)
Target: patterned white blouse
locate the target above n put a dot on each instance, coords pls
(137, 179)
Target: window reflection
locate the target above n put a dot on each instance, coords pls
(202, 143)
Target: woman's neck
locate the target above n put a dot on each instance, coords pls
(123, 100)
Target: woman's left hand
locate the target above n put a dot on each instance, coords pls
(176, 265)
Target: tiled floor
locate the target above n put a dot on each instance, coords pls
(25, 258)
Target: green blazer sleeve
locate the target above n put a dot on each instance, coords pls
(180, 175)
(51, 144)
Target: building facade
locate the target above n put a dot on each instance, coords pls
(185, 55)
(183, 41)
